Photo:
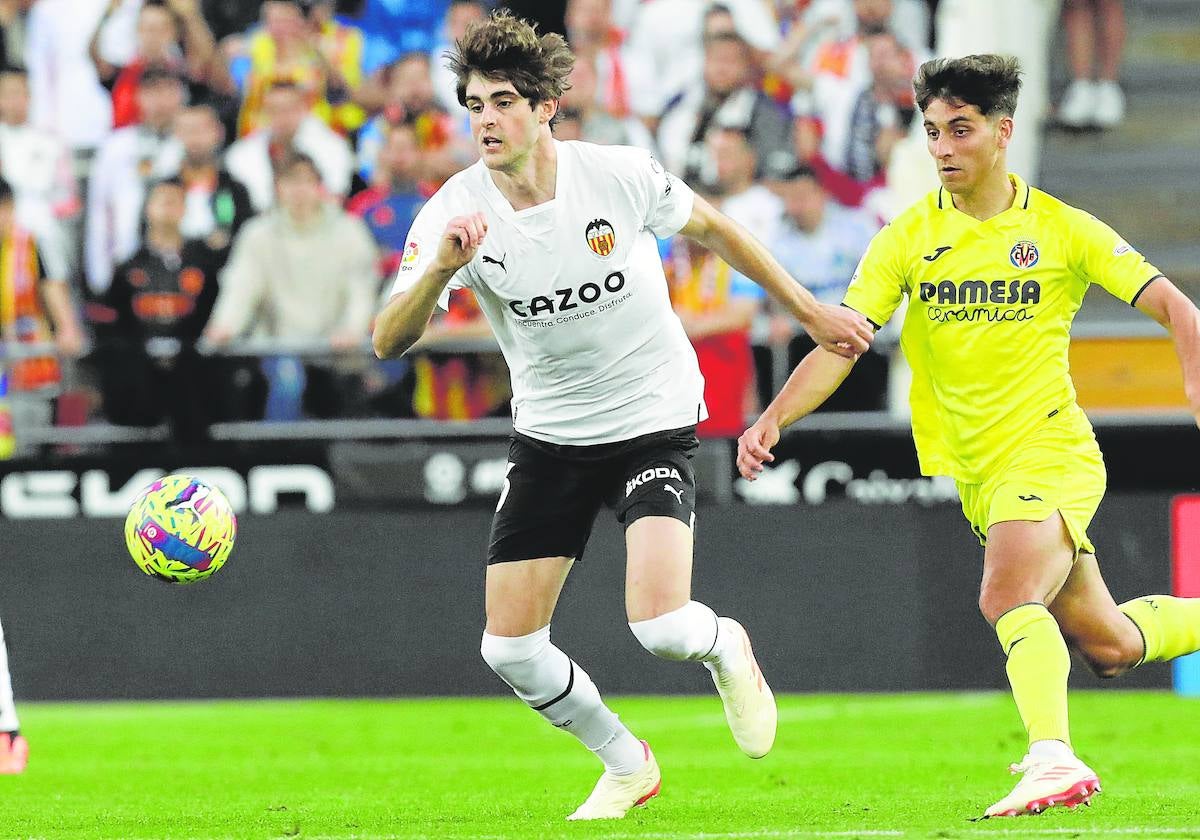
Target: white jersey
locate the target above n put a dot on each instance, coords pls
(575, 293)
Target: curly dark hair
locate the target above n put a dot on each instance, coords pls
(989, 82)
(502, 47)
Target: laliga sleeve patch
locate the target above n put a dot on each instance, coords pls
(412, 253)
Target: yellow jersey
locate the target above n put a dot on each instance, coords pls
(989, 316)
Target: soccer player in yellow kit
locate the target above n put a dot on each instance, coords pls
(994, 272)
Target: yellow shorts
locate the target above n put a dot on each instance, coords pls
(1056, 468)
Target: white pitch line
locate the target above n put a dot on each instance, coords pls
(1131, 831)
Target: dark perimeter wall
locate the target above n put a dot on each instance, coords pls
(840, 596)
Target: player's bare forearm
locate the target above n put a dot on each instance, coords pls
(738, 247)
(404, 318)
(812, 382)
(1163, 302)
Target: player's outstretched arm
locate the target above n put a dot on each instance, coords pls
(839, 330)
(1163, 302)
(816, 377)
(404, 318)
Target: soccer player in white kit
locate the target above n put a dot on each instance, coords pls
(557, 242)
(14, 749)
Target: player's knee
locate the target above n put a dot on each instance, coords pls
(994, 603)
(686, 633)
(1111, 659)
(509, 655)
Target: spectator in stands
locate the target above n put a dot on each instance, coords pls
(36, 309)
(290, 127)
(1094, 97)
(820, 243)
(148, 321)
(731, 177)
(460, 15)
(299, 42)
(814, 24)
(409, 98)
(845, 129)
(667, 45)
(121, 171)
(580, 107)
(341, 48)
(717, 306)
(725, 96)
(162, 27)
(39, 167)
(597, 42)
(66, 96)
(217, 203)
(306, 271)
(394, 198)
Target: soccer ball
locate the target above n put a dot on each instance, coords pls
(180, 529)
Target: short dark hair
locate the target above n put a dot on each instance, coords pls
(6, 192)
(989, 82)
(170, 181)
(14, 70)
(504, 48)
(284, 83)
(155, 73)
(724, 36)
(295, 159)
(798, 171)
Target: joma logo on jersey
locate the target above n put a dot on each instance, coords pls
(565, 300)
(1024, 254)
(649, 475)
(980, 291)
(601, 237)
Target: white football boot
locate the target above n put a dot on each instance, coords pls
(614, 795)
(749, 703)
(1047, 781)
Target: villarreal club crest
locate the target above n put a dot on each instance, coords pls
(1024, 254)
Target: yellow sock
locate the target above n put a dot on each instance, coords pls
(1038, 664)
(1170, 626)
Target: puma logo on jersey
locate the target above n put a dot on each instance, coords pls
(499, 262)
(1030, 498)
(649, 475)
(941, 250)
(677, 493)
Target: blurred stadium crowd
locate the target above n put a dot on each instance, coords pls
(204, 201)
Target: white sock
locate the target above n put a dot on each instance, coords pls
(1050, 748)
(8, 710)
(560, 691)
(691, 632)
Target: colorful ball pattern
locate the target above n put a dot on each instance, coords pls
(180, 529)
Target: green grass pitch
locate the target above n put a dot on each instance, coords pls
(910, 765)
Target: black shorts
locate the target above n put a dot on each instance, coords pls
(552, 492)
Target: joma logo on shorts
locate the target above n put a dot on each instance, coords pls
(649, 475)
